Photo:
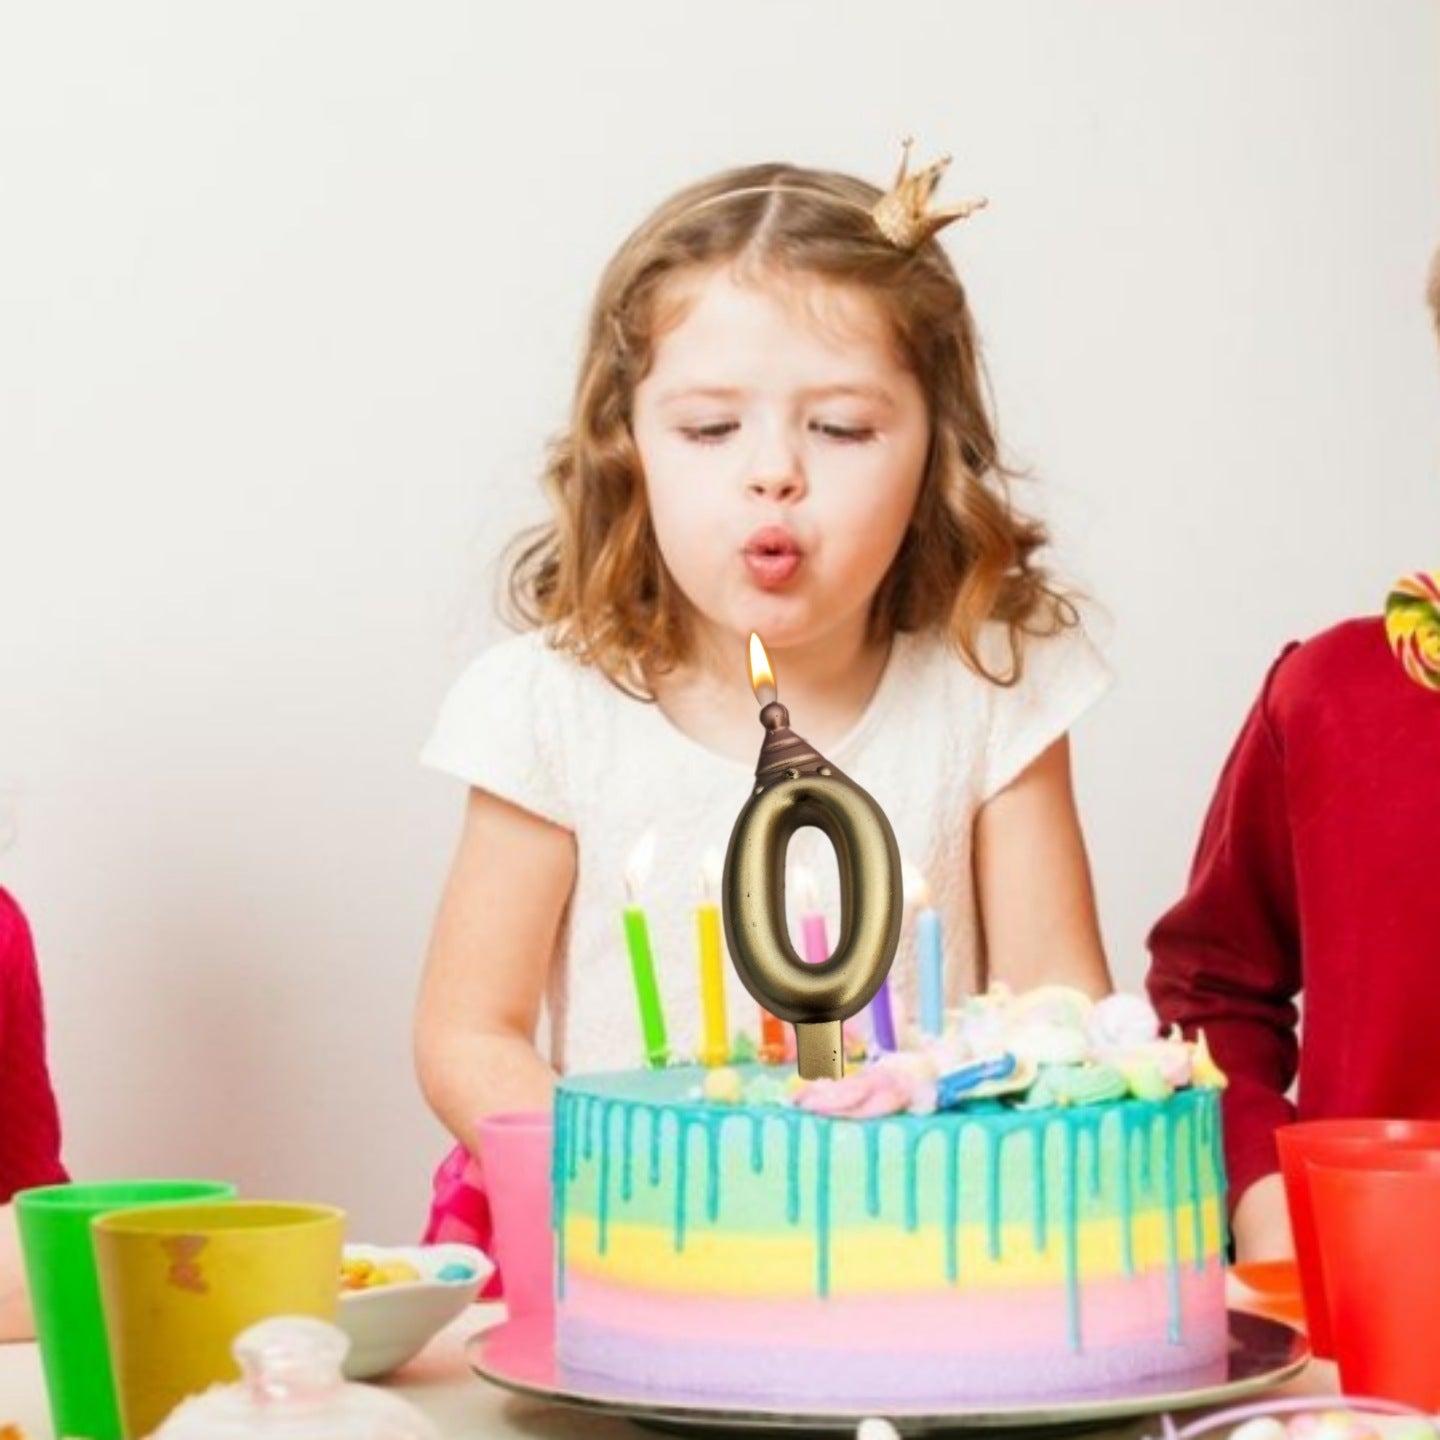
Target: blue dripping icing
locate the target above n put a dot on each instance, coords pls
(682, 1178)
(1128, 1127)
(1197, 1219)
(1038, 1195)
(712, 1165)
(872, 1170)
(657, 1121)
(792, 1168)
(1172, 1229)
(627, 1165)
(952, 1204)
(1150, 1125)
(912, 1186)
(822, 1211)
(572, 1139)
(1069, 1170)
(757, 1143)
(993, 1141)
(587, 1131)
(603, 1238)
(1217, 1167)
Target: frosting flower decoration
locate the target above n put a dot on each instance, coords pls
(1412, 625)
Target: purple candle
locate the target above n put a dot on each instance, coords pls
(882, 1018)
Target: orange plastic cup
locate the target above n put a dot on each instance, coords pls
(1333, 1140)
(1379, 1214)
(515, 1161)
(1271, 1288)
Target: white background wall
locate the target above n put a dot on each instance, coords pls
(289, 299)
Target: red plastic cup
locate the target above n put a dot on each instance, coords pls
(515, 1161)
(1333, 1140)
(1379, 1214)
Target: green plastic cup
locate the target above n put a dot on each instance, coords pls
(54, 1223)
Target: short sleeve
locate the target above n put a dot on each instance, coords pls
(1063, 676)
(498, 728)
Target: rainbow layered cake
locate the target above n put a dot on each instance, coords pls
(1030, 1206)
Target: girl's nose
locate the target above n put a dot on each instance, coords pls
(777, 487)
(776, 472)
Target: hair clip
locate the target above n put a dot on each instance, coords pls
(901, 215)
(1412, 625)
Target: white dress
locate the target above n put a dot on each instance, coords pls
(530, 725)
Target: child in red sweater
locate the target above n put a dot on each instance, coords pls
(1316, 872)
(29, 1122)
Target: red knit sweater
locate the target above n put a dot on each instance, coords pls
(29, 1124)
(1318, 870)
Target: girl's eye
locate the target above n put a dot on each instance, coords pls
(845, 434)
(709, 434)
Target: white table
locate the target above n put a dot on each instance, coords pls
(465, 1407)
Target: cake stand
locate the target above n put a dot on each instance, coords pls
(520, 1356)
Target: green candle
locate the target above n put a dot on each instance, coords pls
(642, 967)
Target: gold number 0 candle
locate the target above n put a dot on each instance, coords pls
(796, 786)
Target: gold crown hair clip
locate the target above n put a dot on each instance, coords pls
(901, 214)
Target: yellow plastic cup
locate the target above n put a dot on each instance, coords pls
(180, 1282)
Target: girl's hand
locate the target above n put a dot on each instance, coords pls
(15, 1319)
(1261, 1222)
(489, 961)
(1032, 881)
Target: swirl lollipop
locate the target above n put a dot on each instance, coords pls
(1412, 623)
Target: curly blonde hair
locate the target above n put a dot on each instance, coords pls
(1432, 292)
(593, 574)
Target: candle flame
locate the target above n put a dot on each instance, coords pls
(914, 886)
(710, 871)
(638, 866)
(762, 677)
(807, 893)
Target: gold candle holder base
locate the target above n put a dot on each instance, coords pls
(820, 1050)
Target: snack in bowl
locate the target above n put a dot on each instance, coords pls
(395, 1298)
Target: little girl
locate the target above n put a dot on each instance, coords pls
(780, 425)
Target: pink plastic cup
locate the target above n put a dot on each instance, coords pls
(1378, 1212)
(1333, 1141)
(515, 1163)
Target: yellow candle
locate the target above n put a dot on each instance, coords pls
(715, 1038)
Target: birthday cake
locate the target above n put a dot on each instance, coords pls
(1028, 1207)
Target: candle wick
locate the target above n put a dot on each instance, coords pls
(774, 716)
(766, 694)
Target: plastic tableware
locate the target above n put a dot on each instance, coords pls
(180, 1282)
(389, 1324)
(515, 1161)
(292, 1390)
(54, 1224)
(1380, 1259)
(1332, 1139)
(1270, 1287)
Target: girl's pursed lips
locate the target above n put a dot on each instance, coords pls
(772, 540)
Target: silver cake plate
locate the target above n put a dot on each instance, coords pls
(520, 1356)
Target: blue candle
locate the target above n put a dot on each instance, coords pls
(931, 954)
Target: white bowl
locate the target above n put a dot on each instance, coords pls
(391, 1323)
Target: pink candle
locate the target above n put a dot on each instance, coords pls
(815, 942)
